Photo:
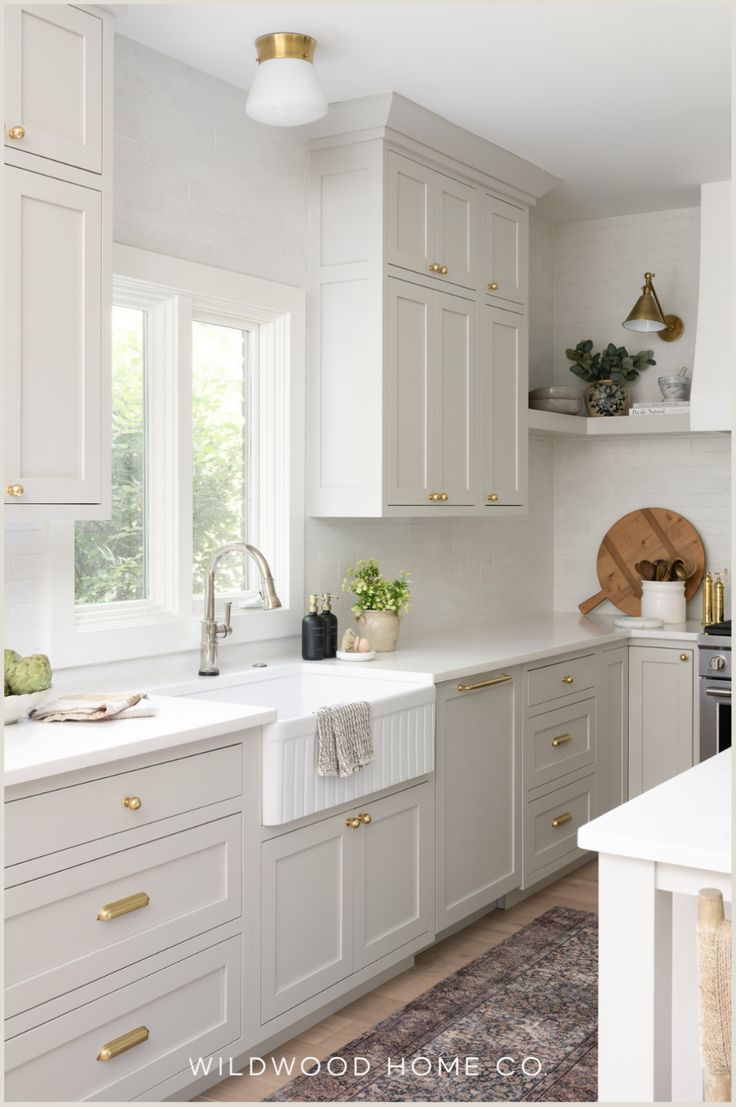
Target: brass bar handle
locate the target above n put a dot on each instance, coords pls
(504, 678)
(560, 820)
(568, 680)
(133, 803)
(120, 907)
(15, 490)
(17, 133)
(561, 739)
(123, 1043)
(352, 823)
(365, 818)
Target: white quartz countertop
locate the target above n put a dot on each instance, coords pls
(36, 750)
(685, 821)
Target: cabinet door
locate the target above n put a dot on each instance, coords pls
(502, 408)
(307, 914)
(392, 874)
(411, 218)
(53, 339)
(53, 83)
(409, 393)
(613, 747)
(661, 699)
(505, 251)
(452, 445)
(478, 796)
(455, 229)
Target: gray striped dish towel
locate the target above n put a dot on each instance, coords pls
(344, 739)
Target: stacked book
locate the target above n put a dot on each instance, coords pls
(661, 407)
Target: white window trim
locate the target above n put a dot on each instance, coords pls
(169, 622)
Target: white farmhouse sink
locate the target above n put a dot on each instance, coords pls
(403, 732)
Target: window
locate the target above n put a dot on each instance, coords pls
(206, 449)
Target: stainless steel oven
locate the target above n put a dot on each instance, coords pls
(714, 669)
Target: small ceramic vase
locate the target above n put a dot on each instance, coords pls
(381, 628)
(606, 398)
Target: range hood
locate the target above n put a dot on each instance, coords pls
(711, 398)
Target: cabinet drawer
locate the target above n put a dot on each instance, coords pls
(55, 939)
(56, 820)
(552, 824)
(550, 682)
(189, 1009)
(559, 742)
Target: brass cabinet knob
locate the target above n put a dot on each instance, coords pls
(444, 269)
(133, 803)
(123, 1043)
(365, 818)
(16, 132)
(435, 267)
(560, 820)
(15, 490)
(561, 739)
(352, 823)
(444, 497)
(493, 286)
(684, 657)
(492, 498)
(568, 680)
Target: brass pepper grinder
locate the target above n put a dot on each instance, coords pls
(707, 599)
(719, 607)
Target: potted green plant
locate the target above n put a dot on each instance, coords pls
(604, 370)
(380, 603)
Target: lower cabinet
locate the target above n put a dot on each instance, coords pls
(342, 893)
(478, 794)
(613, 750)
(661, 714)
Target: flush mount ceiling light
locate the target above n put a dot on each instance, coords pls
(285, 91)
(647, 315)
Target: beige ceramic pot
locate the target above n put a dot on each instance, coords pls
(381, 628)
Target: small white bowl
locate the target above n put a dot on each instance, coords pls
(16, 707)
(351, 655)
(562, 407)
(555, 392)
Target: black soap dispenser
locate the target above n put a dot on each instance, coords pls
(313, 633)
(329, 618)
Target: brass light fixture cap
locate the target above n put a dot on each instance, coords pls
(285, 44)
(674, 329)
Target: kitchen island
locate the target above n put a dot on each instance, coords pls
(656, 853)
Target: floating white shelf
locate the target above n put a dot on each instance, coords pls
(548, 424)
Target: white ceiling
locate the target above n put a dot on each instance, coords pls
(627, 102)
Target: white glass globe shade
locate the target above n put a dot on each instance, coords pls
(285, 93)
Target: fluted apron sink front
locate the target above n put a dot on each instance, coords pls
(403, 733)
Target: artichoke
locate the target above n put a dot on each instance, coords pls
(30, 674)
(7, 689)
(11, 660)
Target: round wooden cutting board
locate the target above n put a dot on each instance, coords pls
(650, 533)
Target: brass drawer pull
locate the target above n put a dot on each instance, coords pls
(123, 1043)
(438, 497)
(16, 133)
(492, 498)
(365, 818)
(561, 739)
(504, 678)
(120, 907)
(493, 285)
(560, 820)
(684, 657)
(435, 267)
(15, 490)
(352, 823)
(444, 270)
(568, 680)
(133, 803)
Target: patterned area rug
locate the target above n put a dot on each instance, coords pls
(531, 1000)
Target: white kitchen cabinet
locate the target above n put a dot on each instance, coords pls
(54, 83)
(502, 407)
(53, 340)
(613, 751)
(478, 794)
(431, 385)
(431, 221)
(661, 706)
(504, 251)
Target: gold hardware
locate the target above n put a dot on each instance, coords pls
(647, 315)
(123, 1043)
(492, 497)
(123, 906)
(17, 132)
(15, 490)
(561, 739)
(438, 497)
(444, 269)
(568, 680)
(435, 267)
(493, 286)
(443, 497)
(560, 820)
(504, 678)
(684, 657)
(365, 818)
(285, 44)
(133, 803)
(352, 823)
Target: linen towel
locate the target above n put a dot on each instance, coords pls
(344, 739)
(86, 708)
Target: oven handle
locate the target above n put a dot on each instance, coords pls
(718, 693)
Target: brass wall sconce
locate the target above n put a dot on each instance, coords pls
(647, 315)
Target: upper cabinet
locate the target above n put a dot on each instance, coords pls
(418, 357)
(711, 392)
(58, 234)
(53, 84)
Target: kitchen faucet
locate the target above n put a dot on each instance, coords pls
(211, 629)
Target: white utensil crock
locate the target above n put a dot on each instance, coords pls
(664, 599)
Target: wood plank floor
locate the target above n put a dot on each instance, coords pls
(578, 889)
